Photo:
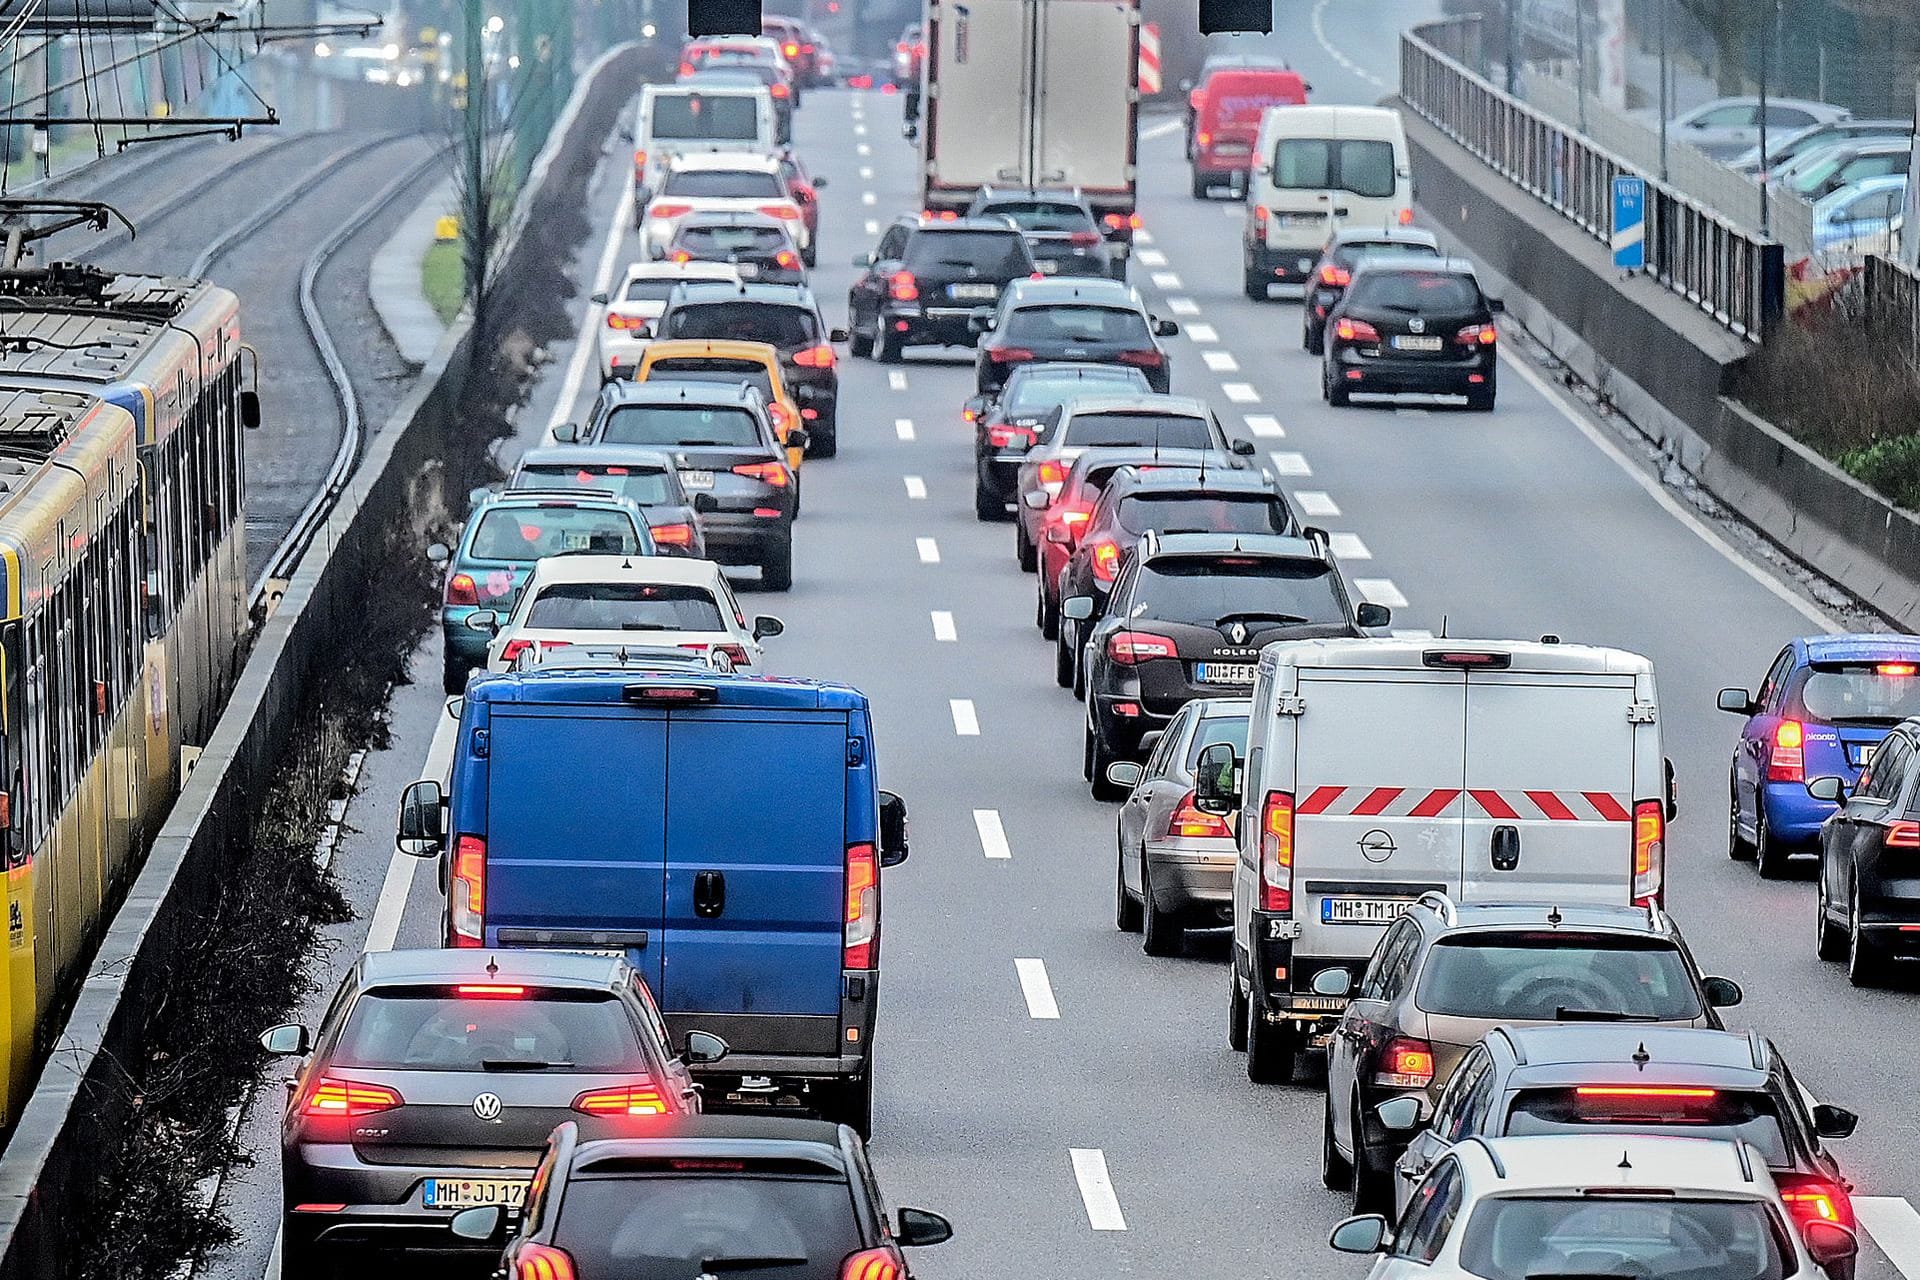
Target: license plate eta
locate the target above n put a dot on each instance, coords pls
(1224, 672)
(697, 479)
(1363, 910)
(1415, 342)
(473, 1193)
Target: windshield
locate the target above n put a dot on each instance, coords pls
(521, 535)
(1043, 215)
(1137, 431)
(645, 486)
(1416, 291)
(784, 327)
(437, 1029)
(1883, 693)
(1075, 325)
(1036, 394)
(1528, 1238)
(730, 373)
(1192, 513)
(711, 239)
(1202, 589)
(724, 117)
(1724, 1115)
(624, 606)
(680, 1227)
(675, 426)
(994, 254)
(1322, 164)
(1556, 975)
(724, 184)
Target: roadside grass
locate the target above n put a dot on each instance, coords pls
(443, 278)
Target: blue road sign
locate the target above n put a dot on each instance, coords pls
(1630, 223)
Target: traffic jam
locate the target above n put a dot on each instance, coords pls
(1415, 882)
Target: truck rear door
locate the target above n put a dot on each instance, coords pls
(1550, 787)
(1083, 125)
(756, 875)
(576, 828)
(979, 70)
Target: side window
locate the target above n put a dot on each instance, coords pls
(1886, 769)
(1475, 1105)
(1399, 975)
(1396, 943)
(1164, 750)
(1447, 1110)
(1122, 598)
(1775, 682)
(893, 245)
(1430, 1214)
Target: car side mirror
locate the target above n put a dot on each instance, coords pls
(642, 196)
(1216, 781)
(437, 553)
(485, 620)
(1165, 328)
(1367, 1234)
(598, 299)
(921, 1227)
(1834, 1122)
(485, 1225)
(250, 410)
(1079, 608)
(798, 438)
(837, 335)
(1243, 448)
(1125, 773)
(423, 828)
(766, 625)
(1401, 1114)
(1497, 305)
(1038, 500)
(1829, 1244)
(1738, 701)
(456, 707)
(1332, 982)
(1832, 790)
(819, 184)
(894, 840)
(1722, 993)
(1369, 614)
(980, 324)
(289, 1040)
(705, 504)
(567, 433)
(705, 1048)
(862, 259)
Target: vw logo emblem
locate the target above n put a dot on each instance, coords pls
(1238, 633)
(1376, 845)
(488, 1107)
(1417, 325)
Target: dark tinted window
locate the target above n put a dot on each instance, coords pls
(1348, 254)
(1043, 215)
(995, 254)
(681, 1227)
(674, 426)
(1537, 976)
(1037, 393)
(643, 485)
(651, 289)
(725, 184)
(1736, 1115)
(730, 373)
(1519, 1238)
(718, 239)
(1872, 693)
(1255, 588)
(1137, 431)
(523, 534)
(1321, 164)
(786, 327)
(436, 1029)
(624, 606)
(1073, 324)
(1417, 291)
(731, 117)
(1190, 513)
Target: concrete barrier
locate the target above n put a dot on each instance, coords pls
(80, 1107)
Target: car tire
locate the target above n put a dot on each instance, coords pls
(1739, 848)
(1126, 911)
(823, 441)
(1161, 933)
(1098, 758)
(1202, 189)
(986, 508)
(810, 256)
(1771, 856)
(1236, 1013)
(453, 676)
(1480, 401)
(1865, 965)
(1336, 391)
(776, 567)
(1314, 340)
(1117, 270)
(1255, 285)
(1024, 552)
(1830, 942)
(857, 344)
(853, 1102)
(886, 347)
(1045, 616)
(1064, 655)
(1080, 665)
(1271, 1049)
(1372, 1185)
(1336, 1171)
(305, 1261)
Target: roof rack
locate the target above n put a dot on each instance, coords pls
(1513, 1043)
(1441, 903)
(1760, 1049)
(1493, 1157)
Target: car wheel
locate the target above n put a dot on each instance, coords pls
(857, 343)
(1829, 940)
(1065, 653)
(776, 569)
(1314, 340)
(453, 676)
(1270, 1049)
(1098, 758)
(1337, 394)
(886, 346)
(1161, 934)
(824, 440)
(1739, 848)
(986, 507)
(1024, 552)
(1336, 1171)
(1236, 1012)
(1372, 1185)
(1080, 665)
(810, 257)
(1480, 401)
(1255, 285)
(1046, 615)
(1126, 911)
(1865, 966)
(1771, 855)
(1201, 187)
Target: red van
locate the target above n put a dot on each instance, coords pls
(1226, 118)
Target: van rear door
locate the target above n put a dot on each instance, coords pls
(1549, 775)
(576, 827)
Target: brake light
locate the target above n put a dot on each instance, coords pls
(791, 49)
(543, 1262)
(1649, 852)
(1053, 473)
(786, 258)
(669, 209)
(639, 160)
(820, 357)
(467, 892)
(1122, 222)
(1130, 647)
(491, 991)
(902, 287)
(872, 1264)
(462, 589)
(1484, 335)
(1003, 436)
(625, 1100)
(1337, 276)
(769, 473)
(686, 69)
(1642, 1091)
(1355, 331)
(1009, 355)
(1106, 560)
(1190, 821)
(863, 906)
(786, 212)
(1071, 518)
(1812, 1199)
(1787, 762)
(1405, 1063)
(1276, 852)
(1260, 215)
(617, 321)
(1903, 835)
(672, 535)
(349, 1098)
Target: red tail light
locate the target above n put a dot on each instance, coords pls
(1084, 238)
(617, 321)
(1642, 1091)
(1009, 355)
(1814, 1199)
(1204, 139)
(1071, 518)
(863, 906)
(1122, 221)
(1149, 359)
(1131, 647)
(1003, 436)
(787, 258)
(1276, 852)
(1477, 335)
(902, 287)
(1787, 762)
(790, 49)
(1405, 1063)
(467, 892)
(1191, 822)
(669, 209)
(771, 473)
(462, 589)
(872, 1264)
(1355, 331)
(1260, 216)
(785, 212)
(680, 255)
(543, 1262)
(626, 1100)
(686, 68)
(820, 357)
(639, 160)
(1053, 473)
(1406, 217)
(331, 1098)
(780, 91)
(515, 647)
(1106, 560)
(672, 535)
(782, 420)
(1897, 669)
(1337, 276)
(738, 653)
(1903, 835)
(1649, 852)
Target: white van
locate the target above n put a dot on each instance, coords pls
(1376, 770)
(1315, 170)
(678, 119)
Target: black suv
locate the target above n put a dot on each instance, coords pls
(710, 1196)
(1143, 499)
(787, 318)
(1060, 226)
(1616, 1078)
(1334, 272)
(1099, 321)
(1020, 417)
(1187, 619)
(1443, 975)
(1409, 325)
(929, 280)
(1869, 903)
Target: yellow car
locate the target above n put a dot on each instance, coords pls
(712, 360)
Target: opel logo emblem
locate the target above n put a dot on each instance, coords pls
(488, 1107)
(1238, 633)
(1375, 846)
(1417, 325)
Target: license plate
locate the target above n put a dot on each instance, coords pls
(1223, 672)
(1857, 753)
(1047, 266)
(1415, 342)
(748, 270)
(1299, 219)
(973, 291)
(697, 479)
(1363, 910)
(473, 1193)
(1231, 148)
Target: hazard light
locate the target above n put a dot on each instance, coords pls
(1896, 669)
(1787, 762)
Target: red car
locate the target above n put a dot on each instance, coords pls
(1227, 107)
(805, 190)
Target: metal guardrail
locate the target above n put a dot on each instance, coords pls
(1734, 275)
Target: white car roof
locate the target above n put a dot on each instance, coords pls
(725, 160)
(666, 570)
(1389, 653)
(1575, 1162)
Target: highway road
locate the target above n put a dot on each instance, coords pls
(1071, 1103)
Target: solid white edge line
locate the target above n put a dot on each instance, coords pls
(966, 722)
(1037, 990)
(583, 346)
(1895, 1227)
(993, 835)
(1096, 1189)
(943, 628)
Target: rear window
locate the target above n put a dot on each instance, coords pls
(1725, 1115)
(731, 373)
(1137, 431)
(437, 1029)
(1525, 1237)
(1038, 394)
(723, 1223)
(624, 606)
(644, 486)
(1557, 976)
(726, 117)
(650, 289)
(718, 239)
(1365, 168)
(1078, 324)
(784, 327)
(677, 426)
(1043, 215)
(521, 535)
(1348, 254)
(1191, 513)
(723, 184)
(1416, 291)
(1883, 693)
(996, 254)
(1256, 589)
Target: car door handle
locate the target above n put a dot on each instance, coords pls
(1504, 848)
(709, 894)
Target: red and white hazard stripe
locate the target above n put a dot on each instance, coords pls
(1150, 57)
(1447, 802)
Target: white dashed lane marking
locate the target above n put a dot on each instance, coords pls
(965, 722)
(1315, 502)
(896, 379)
(916, 487)
(1096, 1189)
(1241, 393)
(859, 131)
(1183, 306)
(873, 227)
(1221, 361)
(866, 173)
(943, 626)
(1143, 236)
(1380, 591)
(867, 197)
(1166, 280)
(1347, 546)
(864, 149)
(1265, 424)
(1290, 464)
(903, 427)
(1152, 258)
(993, 836)
(1035, 987)
(1201, 332)
(929, 550)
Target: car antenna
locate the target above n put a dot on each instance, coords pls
(627, 563)
(1624, 1162)
(1641, 1057)
(493, 967)
(1553, 915)
(1443, 626)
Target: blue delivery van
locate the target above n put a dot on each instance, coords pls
(725, 832)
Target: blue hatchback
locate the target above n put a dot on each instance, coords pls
(1824, 705)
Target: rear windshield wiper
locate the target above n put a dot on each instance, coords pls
(1255, 615)
(1566, 1014)
(521, 1064)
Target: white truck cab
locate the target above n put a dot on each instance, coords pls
(1379, 769)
